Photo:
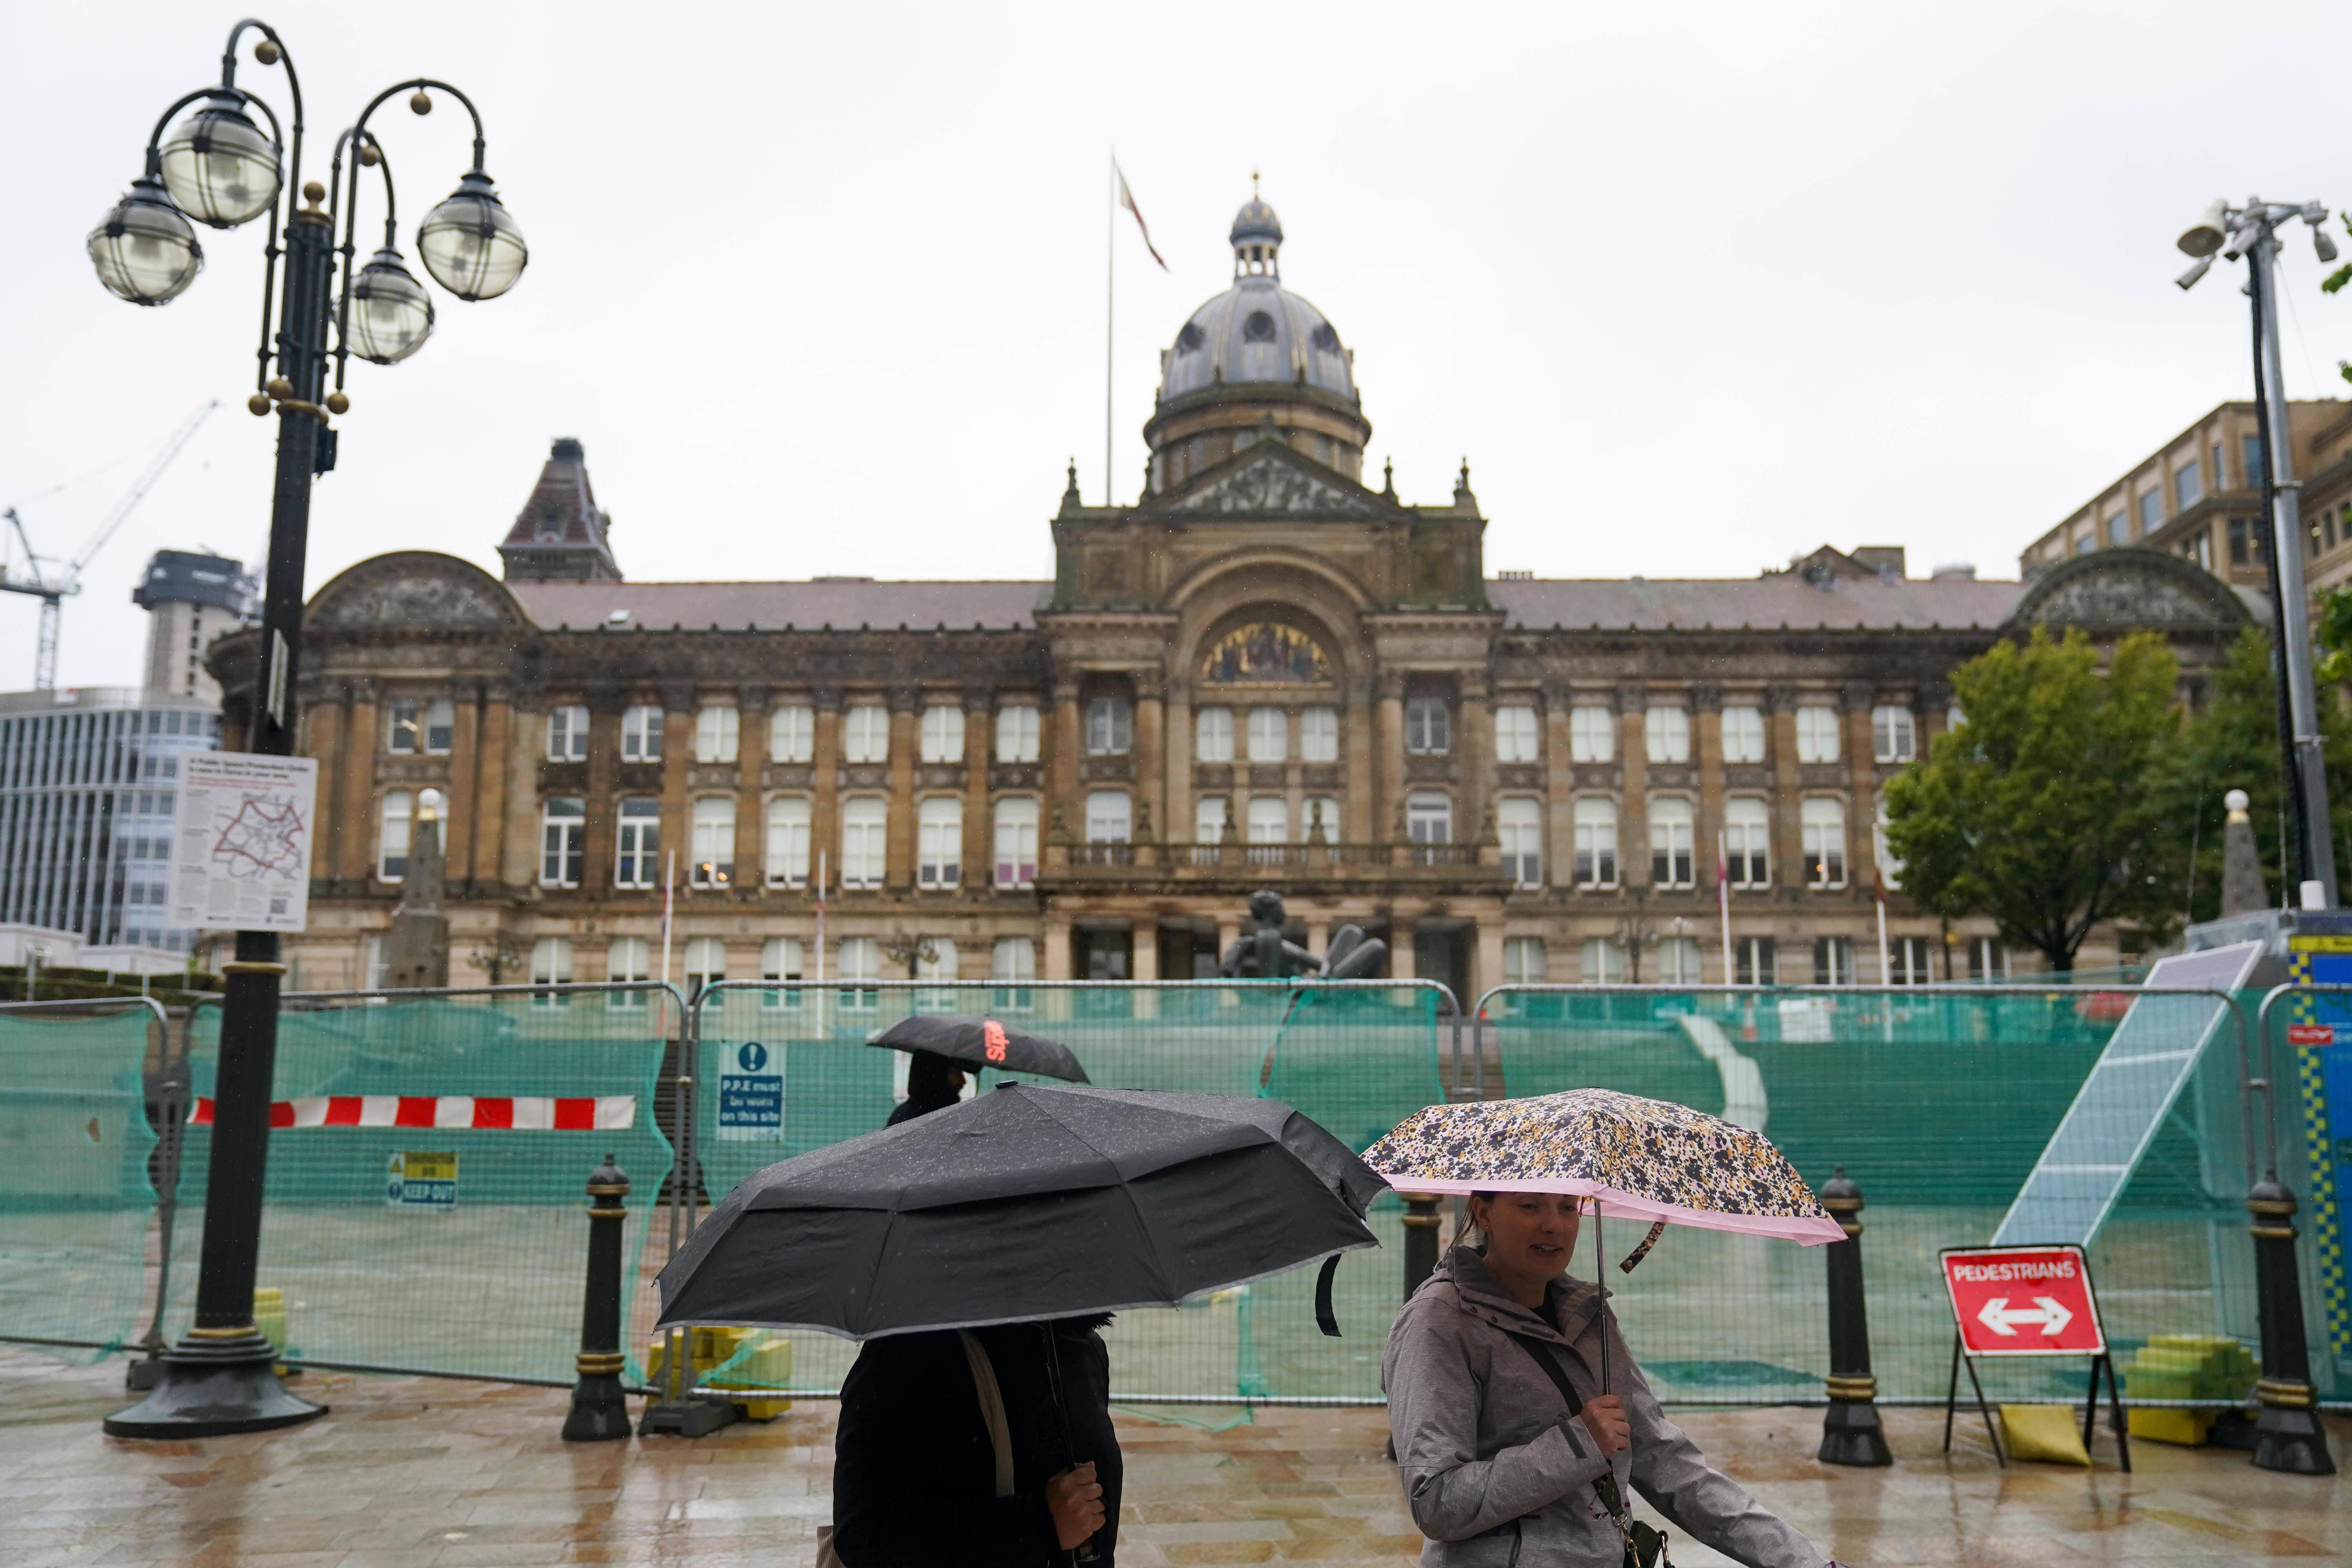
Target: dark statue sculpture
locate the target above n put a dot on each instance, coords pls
(1266, 954)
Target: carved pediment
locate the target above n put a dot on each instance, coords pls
(2114, 589)
(1268, 485)
(413, 589)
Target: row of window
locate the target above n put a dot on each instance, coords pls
(629, 960)
(792, 734)
(2189, 488)
(1756, 961)
(1666, 734)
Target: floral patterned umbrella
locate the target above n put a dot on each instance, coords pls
(1630, 1158)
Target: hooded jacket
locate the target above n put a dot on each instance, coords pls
(1498, 1472)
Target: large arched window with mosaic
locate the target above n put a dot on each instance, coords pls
(1264, 653)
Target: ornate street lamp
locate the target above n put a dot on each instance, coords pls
(222, 168)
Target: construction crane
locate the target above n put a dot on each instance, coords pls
(51, 591)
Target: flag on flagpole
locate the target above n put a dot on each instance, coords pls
(1127, 200)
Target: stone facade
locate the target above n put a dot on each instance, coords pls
(1263, 672)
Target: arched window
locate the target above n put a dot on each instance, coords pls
(628, 961)
(1591, 736)
(1017, 842)
(1515, 734)
(1670, 841)
(1269, 819)
(1519, 822)
(706, 961)
(939, 839)
(792, 733)
(1666, 731)
(716, 734)
(562, 841)
(788, 841)
(942, 733)
(1595, 822)
(1817, 734)
(863, 849)
(1108, 817)
(551, 964)
(865, 735)
(1746, 836)
(714, 840)
(637, 862)
(1824, 825)
(1743, 734)
(780, 965)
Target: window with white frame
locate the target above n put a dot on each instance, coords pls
(636, 857)
(1270, 735)
(1523, 960)
(641, 733)
(1601, 962)
(1319, 814)
(1678, 960)
(392, 830)
(942, 733)
(1111, 727)
(1832, 960)
(1987, 959)
(1017, 842)
(716, 734)
(1755, 961)
(1212, 735)
(1108, 816)
(706, 963)
(1319, 734)
(1520, 823)
(1594, 820)
(1817, 733)
(788, 841)
(937, 960)
(421, 727)
(1012, 962)
(863, 848)
(1428, 727)
(1429, 816)
(1671, 856)
(403, 726)
(866, 733)
(1909, 962)
(792, 733)
(551, 964)
(1269, 819)
(1747, 841)
(780, 965)
(1822, 825)
(861, 964)
(628, 961)
(567, 734)
(939, 841)
(1892, 736)
(1591, 734)
(562, 841)
(1209, 819)
(1017, 733)
(714, 841)
(1665, 734)
(1515, 734)
(1743, 734)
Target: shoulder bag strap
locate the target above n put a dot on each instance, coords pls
(991, 1407)
(1606, 1484)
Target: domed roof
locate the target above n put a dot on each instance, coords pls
(1255, 221)
(1258, 331)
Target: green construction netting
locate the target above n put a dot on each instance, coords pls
(446, 1247)
(75, 1199)
(1937, 1105)
(784, 1071)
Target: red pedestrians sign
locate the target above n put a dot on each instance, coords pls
(2023, 1300)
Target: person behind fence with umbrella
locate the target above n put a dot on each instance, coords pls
(943, 1052)
(1519, 1416)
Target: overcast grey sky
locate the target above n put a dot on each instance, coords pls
(820, 286)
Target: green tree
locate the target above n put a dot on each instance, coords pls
(2044, 809)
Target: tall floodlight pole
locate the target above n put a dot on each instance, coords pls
(222, 169)
(2253, 231)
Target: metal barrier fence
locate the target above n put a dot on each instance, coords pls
(2313, 1022)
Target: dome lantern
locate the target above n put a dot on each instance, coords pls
(1256, 237)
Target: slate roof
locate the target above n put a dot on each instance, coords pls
(1733, 604)
(844, 604)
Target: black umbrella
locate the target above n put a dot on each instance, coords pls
(983, 1041)
(1026, 1203)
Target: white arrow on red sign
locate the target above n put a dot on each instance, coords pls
(1999, 1315)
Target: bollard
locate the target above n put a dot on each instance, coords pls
(1851, 1433)
(600, 1410)
(1420, 1241)
(2287, 1433)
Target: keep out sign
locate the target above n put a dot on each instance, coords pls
(2023, 1300)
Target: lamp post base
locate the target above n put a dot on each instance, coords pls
(1852, 1435)
(213, 1388)
(2288, 1436)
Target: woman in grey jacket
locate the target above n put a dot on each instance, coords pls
(1500, 1469)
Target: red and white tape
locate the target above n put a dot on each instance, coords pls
(479, 1112)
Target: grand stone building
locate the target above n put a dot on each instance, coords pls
(1263, 671)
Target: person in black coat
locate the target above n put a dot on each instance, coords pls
(914, 1472)
(933, 1083)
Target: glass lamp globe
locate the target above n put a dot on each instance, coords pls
(143, 249)
(390, 313)
(220, 166)
(470, 243)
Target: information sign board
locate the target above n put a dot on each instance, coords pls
(2023, 1301)
(241, 836)
(421, 1180)
(750, 1097)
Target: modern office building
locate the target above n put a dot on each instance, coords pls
(190, 599)
(87, 778)
(1262, 671)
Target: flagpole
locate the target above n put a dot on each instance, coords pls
(1110, 279)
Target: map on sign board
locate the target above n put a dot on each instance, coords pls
(241, 841)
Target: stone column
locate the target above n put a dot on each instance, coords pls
(1634, 815)
(979, 830)
(323, 718)
(605, 704)
(1388, 747)
(1400, 956)
(1788, 839)
(1062, 747)
(898, 835)
(519, 832)
(1559, 789)
(1359, 807)
(1486, 959)
(678, 705)
(1707, 713)
(1229, 931)
(1151, 749)
(1175, 816)
(1862, 780)
(1057, 946)
(464, 820)
(358, 807)
(824, 785)
(751, 771)
(498, 745)
(1475, 748)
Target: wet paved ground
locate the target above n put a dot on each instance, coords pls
(411, 1472)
